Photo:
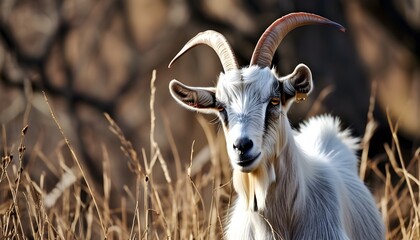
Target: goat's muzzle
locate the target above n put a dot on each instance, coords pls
(243, 145)
(245, 154)
(246, 161)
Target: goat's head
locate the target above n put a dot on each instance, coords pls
(251, 102)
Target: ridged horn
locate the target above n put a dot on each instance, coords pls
(219, 44)
(274, 34)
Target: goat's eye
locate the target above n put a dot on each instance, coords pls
(275, 101)
(220, 107)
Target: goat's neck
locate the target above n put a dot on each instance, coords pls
(286, 169)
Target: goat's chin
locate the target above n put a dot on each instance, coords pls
(252, 166)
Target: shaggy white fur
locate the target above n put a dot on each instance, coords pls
(316, 193)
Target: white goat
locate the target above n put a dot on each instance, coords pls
(290, 185)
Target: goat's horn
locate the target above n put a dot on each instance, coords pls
(219, 44)
(272, 37)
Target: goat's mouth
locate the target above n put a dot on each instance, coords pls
(246, 161)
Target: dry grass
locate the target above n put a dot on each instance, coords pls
(190, 203)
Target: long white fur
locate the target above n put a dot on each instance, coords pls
(320, 155)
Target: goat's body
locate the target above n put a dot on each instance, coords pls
(315, 194)
(290, 185)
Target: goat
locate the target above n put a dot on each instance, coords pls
(290, 184)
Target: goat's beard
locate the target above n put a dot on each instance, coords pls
(252, 187)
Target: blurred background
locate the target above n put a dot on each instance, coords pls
(95, 57)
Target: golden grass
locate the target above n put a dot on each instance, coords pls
(191, 205)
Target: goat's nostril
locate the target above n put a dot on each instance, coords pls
(243, 145)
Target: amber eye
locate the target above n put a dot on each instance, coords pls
(220, 108)
(275, 101)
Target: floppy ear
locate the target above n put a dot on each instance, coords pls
(201, 99)
(297, 85)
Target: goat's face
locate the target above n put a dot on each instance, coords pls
(251, 104)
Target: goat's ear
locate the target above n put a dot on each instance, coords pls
(297, 85)
(194, 98)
